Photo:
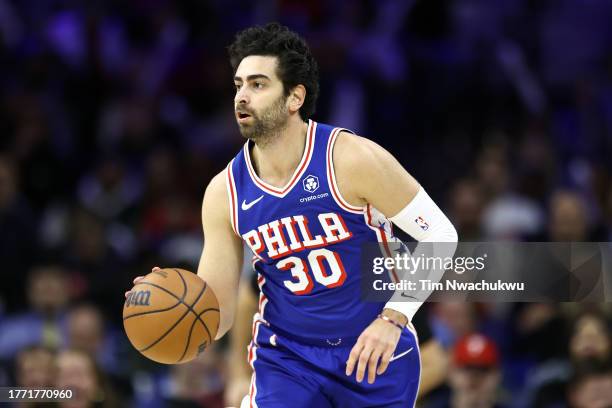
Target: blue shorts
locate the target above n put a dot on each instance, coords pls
(292, 374)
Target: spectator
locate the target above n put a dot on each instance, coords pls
(451, 321)
(198, 383)
(18, 238)
(86, 330)
(467, 202)
(590, 341)
(591, 387)
(43, 323)
(77, 370)
(474, 377)
(567, 220)
(34, 368)
(97, 267)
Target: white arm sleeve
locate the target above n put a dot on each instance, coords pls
(423, 220)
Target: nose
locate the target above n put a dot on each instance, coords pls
(242, 97)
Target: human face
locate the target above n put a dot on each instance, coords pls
(593, 393)
(590, 340)
(75, 371)
(35, 369)
(473, 387)
(260, 103)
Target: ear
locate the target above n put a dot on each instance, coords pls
(296, 98)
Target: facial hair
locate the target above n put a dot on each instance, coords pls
(267, 124)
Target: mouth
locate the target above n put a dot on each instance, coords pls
(242, 117)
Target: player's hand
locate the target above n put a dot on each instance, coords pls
(139, 278)
(376, 343)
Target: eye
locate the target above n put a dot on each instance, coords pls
(258, 85)
(237, 86)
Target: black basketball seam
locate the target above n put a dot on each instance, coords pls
(175, 323)
(191, 331)
(189, 307)
(152, 311)
(183, 280)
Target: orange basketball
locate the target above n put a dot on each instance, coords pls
(171, 316)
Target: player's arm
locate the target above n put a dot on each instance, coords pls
(239, 370)
(221, 258)
(368, 174)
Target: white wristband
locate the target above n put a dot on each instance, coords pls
(406, 308)
(425, 222)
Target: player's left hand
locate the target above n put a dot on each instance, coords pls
(377, 342)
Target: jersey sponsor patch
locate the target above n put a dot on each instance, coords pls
(311, 183)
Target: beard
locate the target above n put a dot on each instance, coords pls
(269, 122)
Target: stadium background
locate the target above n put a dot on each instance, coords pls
(115, 115)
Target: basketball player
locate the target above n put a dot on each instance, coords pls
(305, 196)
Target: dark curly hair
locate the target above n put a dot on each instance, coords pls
(295, 62)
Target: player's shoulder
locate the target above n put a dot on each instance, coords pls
(217, 185)
(355, 152)
(215, 195)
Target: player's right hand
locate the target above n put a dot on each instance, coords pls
(139, 278)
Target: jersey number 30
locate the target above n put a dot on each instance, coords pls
(331, 276)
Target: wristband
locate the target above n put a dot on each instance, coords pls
(393, 322)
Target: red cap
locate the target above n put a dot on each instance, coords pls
(475, 350)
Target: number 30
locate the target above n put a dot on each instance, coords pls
(299, 270)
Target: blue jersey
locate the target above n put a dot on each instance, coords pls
(307, 242)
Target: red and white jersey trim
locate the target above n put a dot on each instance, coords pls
(233, 198)
(300, 169)
(263, 300)
(383, 229)
(331, 176)
(252, 356)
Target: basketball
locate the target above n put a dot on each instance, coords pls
(171, 316)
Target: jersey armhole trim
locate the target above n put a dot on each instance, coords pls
(232, 198)
(331, 175)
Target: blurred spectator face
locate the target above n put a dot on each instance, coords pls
(493, 170)
(467, 204)
(88, 236)
(590, 339)
(35, 368)
(48, 290)
(200, 378)
(592, 392)
(261, 106)
(77, 371)
(474, 376)
(85, 329)
(567, 218)
(161, 173)
(459, 318)
(110, 174)
(8, 183)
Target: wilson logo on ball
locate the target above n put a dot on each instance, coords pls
(138, 298)
(161, 273)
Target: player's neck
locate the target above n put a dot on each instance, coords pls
(275, 160)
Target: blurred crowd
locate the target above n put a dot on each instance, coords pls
(115, 115)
